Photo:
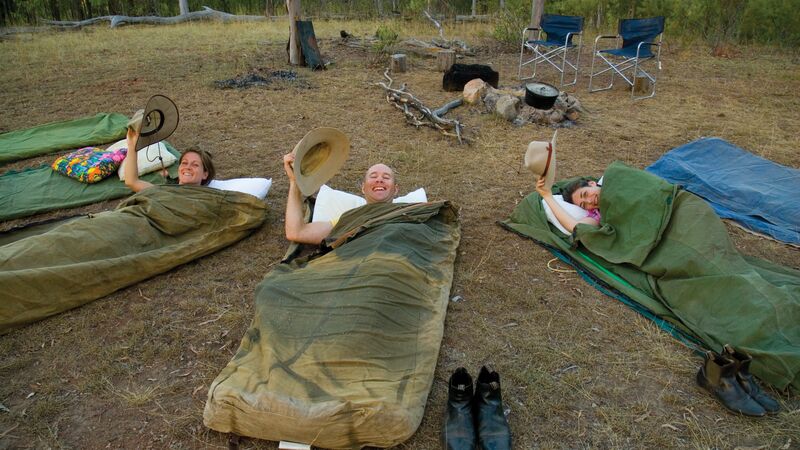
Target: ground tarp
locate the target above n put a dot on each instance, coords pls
(342, 349)
(667, 250)
(87, 258)
(52, 137)
(33, 191)
(755, 192)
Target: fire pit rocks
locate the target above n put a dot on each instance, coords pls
(509, 103)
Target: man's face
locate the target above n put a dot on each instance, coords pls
(587, 197)
(379, 185)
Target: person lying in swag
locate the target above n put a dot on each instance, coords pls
(379, 186)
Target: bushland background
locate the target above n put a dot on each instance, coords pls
(578, 369)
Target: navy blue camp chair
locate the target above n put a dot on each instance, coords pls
(556, 46)
(637, 56)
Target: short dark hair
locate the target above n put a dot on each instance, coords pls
(206, 159)
(570, 189)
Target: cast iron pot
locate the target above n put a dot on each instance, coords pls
(541, 95)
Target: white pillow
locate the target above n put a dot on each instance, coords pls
(258, 187)
(575, 211)
(417, 196)
(142, 157)
(331, 204)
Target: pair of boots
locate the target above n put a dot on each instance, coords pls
(475, 421)
(728, 377)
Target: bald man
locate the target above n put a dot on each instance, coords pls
(379, 186)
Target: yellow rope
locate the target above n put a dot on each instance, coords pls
(553, 269)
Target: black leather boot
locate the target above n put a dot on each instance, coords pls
(718, 376)
(459, 424)
(493, 430)
(749, 383)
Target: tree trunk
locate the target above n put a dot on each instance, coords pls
(55, 10)
(398, 63)
(537, 8)
(379, 7)
(445, 60)
(474, 7)
(183, 5)
(295, 55)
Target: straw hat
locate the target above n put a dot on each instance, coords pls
(541, 160)
(155, 122)
(318, 156)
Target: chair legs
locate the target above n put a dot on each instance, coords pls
(558, 58)
(630, 70)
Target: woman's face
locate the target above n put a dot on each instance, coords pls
(587, 197)
(191, 170)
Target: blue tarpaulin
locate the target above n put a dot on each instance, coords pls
(759, 194)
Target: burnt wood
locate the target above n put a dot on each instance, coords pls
(460, 74)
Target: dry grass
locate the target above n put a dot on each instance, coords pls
(579, 370)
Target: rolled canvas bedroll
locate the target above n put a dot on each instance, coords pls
(668, 251)
(52, 137)
(342, 349)
(49, 269)
(35, 190)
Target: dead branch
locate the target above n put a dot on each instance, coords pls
(424, 116)
(411, 45)
(447, 107)
(437, 24)
(206, 14)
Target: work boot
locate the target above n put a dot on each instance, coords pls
(749, 383)
(493, 430)
(718, 376)
(459, 426)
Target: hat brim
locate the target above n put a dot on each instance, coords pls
(534, 154)
(318, 157)
(159, 121)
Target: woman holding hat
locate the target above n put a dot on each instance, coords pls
(584, 193)
(540, 158)
(194, 167)
(156, 122)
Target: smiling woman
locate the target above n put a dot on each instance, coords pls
(195, 167)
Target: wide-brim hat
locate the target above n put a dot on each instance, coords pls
(156, 122)
(541, 160)
(318, 156)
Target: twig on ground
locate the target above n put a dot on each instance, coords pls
(405, 101)
(213, 320)
(9, 430)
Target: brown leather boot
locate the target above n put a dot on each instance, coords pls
(718, 376)
(749, 383)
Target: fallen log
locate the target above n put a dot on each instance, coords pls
(406, 102)
(117, 20)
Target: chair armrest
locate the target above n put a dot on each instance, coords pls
(570, 34)
(639, 47)
(603, 36)
(527, 29)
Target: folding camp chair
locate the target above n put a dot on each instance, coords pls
(555, 48)
(638, 36)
